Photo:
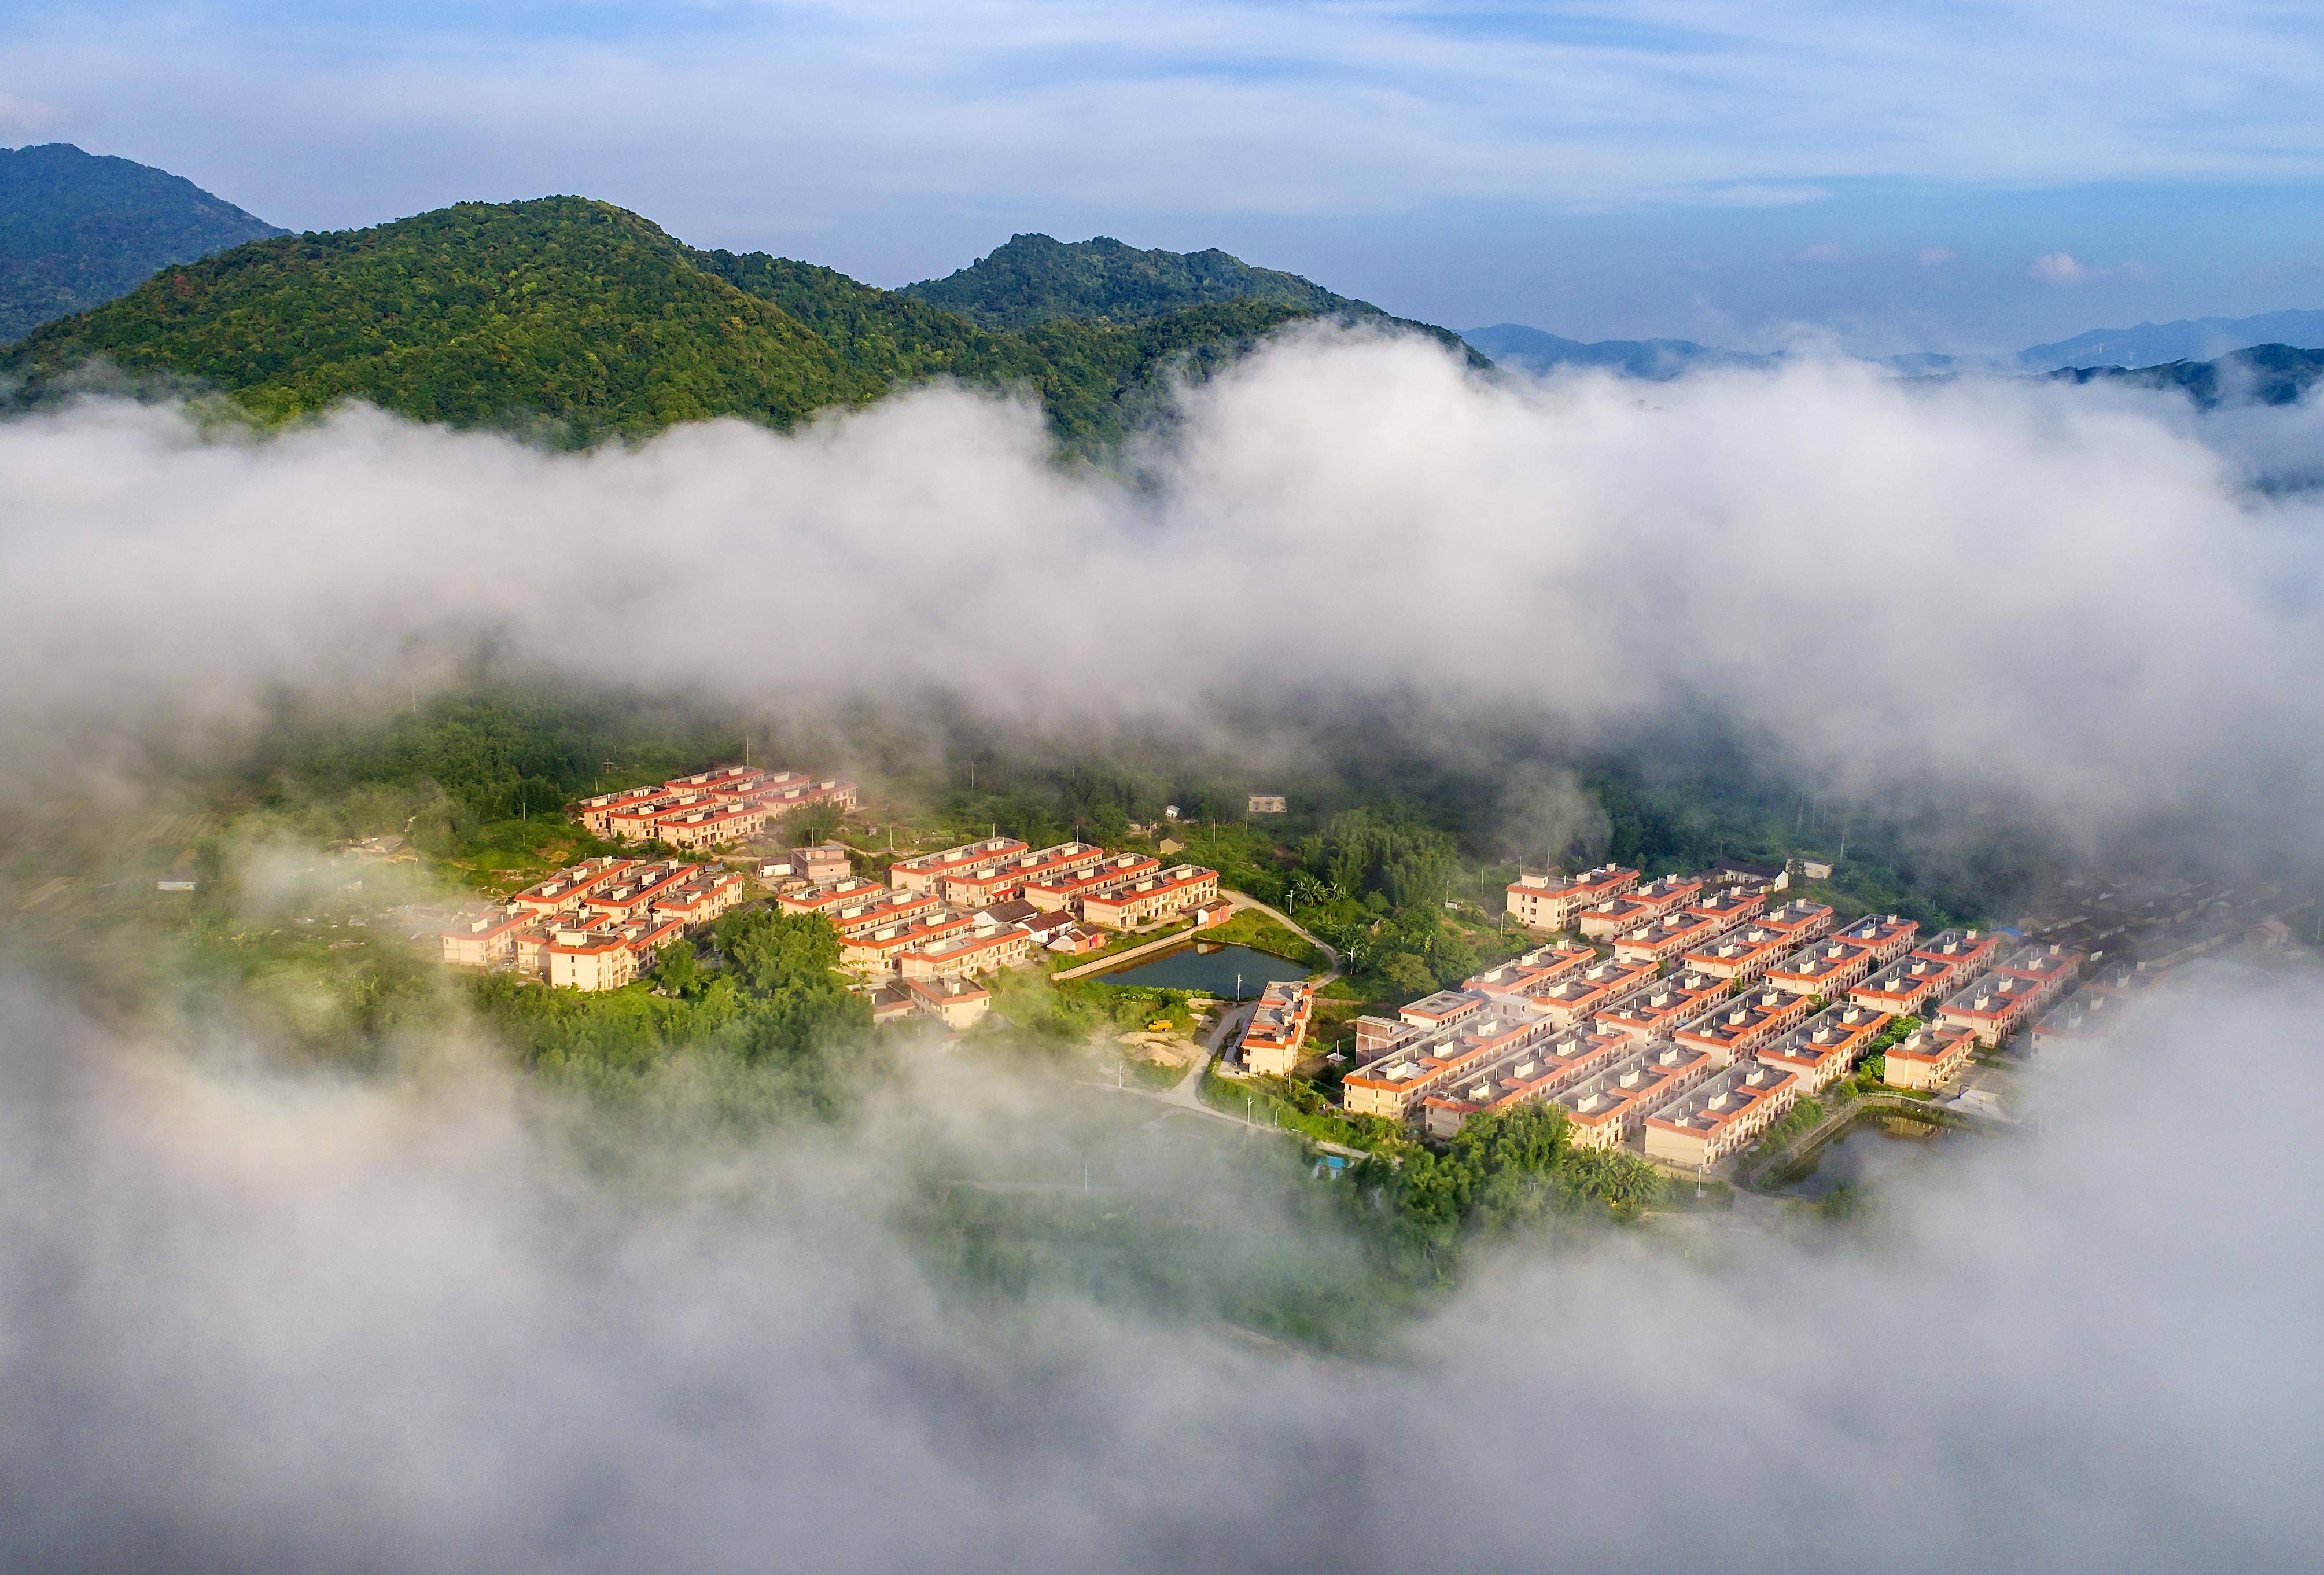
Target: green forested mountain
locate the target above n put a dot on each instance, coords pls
(1035, 280)
(76, 230)
(591, 318)
(563, 309)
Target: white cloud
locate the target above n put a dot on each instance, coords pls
(1935, 256)
(1764, 194)
(2060, 592)
(266, 1321)
(2059, 267)
(24, 118)
(2062, 268)
(1221, 106)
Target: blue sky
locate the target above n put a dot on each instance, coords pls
(1945, 176)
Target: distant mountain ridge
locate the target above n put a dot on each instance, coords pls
(2190, 339)
(595, 321)
(1515, 345)
(78, 229)
(2261, 374)
(2257, 372)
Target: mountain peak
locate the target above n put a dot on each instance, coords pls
(1035, 279)
(78, 228)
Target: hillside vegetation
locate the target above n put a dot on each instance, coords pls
(76, 230)
(594, 321)
(1035, 280)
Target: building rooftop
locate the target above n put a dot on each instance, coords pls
(1727, 1096)
(1603, 877)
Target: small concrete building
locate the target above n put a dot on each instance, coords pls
(956, 1003)
(822, 864)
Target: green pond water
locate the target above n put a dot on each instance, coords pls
(1867, 1151)
(1211, 968)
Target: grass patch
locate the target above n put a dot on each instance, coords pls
(1250, 928)
(503, 857)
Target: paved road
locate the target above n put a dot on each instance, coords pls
(1186, 1093)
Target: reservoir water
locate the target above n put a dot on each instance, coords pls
(1866, 1152)
(1210, 968)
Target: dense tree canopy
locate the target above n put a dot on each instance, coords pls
(591, 319)
(78, 229)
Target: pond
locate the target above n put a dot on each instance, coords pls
(1869, 1150)
(1210, 968)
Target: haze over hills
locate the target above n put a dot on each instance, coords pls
(2253, 372)
(2264, 374)
(596, 320)
(78, 229)
(2195, 339)
(1515, 345)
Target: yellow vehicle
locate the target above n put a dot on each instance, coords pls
(1159, 1025)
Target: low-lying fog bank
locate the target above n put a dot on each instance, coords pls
(2077, 598)
(253, 1319)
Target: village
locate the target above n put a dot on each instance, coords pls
(1677, 1017)
(914, 945)
(1682, 1017)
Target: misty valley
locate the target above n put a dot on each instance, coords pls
(1114, 911)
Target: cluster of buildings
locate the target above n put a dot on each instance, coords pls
(597, 924)
(920, 941)
(1686, 1016)
(917, 942)
(2137, 933)
(708, 809)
